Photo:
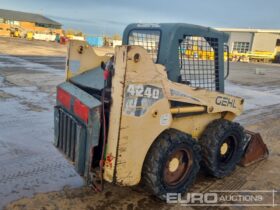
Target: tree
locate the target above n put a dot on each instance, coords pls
(73, 32)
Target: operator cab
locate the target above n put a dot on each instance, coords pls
(189, 53)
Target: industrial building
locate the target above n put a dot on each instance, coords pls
(252, 40)
(26, 22)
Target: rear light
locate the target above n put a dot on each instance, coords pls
(81, 110)
(64, 98)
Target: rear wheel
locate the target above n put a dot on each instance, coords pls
(222, 146)
(172, 163)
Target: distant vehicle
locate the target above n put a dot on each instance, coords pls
(15, 33)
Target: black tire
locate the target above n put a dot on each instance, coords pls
(217, 162)
(157, 177)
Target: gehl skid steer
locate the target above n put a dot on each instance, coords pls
(154, 112)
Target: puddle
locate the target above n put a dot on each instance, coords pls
(16, 62)
(29, 161)
(1, 81)
(28, 96)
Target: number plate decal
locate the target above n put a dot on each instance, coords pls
(139, 97)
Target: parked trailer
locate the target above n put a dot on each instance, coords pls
(44, 37)
(255, 56)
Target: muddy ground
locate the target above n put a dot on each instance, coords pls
(34, 175)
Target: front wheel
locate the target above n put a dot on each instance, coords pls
(172, 163)
(222, 146)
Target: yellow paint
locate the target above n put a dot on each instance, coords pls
(191, 109)
(202, 97)
(136, 136)
(87, 58)
(195, 53)
(16, 34)
(27, 26)
(173, 164)
(229, 116)
(116, 107)
(257, 55)
(29, 35)
(224, 148)
(130, 137)
(195, 124)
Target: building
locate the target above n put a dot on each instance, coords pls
(244, 40)
(26, 22)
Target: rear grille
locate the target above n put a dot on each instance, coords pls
(67, 134)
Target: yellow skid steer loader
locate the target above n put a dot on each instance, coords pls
(151, 113)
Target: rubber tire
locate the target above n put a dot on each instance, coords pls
(152, 173)
(210, 142)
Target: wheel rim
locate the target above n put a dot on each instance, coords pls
(227, 150)
(177, 166)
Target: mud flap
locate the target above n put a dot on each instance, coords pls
(255, 149)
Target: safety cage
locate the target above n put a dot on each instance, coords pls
(192, 55)
(198, 57)
(149, 39)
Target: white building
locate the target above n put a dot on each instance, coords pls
(243, 40)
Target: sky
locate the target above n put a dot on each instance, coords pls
(111, 16)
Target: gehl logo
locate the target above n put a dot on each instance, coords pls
(225, 101)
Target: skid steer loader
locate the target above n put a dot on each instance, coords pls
(153, 111)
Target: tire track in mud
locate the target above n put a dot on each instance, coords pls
(235, 181)
(25, 174)
(34, 165)
(5, 178)
(230, 183)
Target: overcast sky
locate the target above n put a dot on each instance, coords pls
(111, 16)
